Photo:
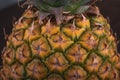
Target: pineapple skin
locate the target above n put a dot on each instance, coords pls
(83, 48)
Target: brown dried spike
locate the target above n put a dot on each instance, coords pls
(93, 10)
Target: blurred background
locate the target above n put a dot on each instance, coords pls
(9, 10)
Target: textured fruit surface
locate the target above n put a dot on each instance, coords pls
(81, 48)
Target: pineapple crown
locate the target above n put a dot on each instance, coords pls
(57, 7)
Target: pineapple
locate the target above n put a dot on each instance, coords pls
(61, 40)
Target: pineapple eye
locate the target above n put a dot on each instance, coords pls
(97, 26)
(76, 76)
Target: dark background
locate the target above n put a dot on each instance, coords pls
(109, 8)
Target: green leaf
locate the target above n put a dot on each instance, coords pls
(41, 5)
(56, 3)
(82, 9)
(83, 2)
(74, 5)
